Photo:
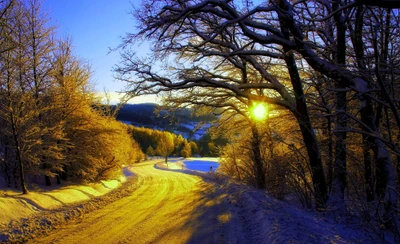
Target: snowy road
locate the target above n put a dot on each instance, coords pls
(168, 207)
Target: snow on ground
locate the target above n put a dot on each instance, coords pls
(179, 163)
(208, 159)
(264, 218)
(16, 206)
(279, 222)
(274, 221)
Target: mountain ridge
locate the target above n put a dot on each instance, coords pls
(181, 122)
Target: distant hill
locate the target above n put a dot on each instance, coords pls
(182, 122)
(140, 114)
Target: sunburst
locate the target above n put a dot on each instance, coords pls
(259, 111)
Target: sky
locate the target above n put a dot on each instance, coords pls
(95, 26)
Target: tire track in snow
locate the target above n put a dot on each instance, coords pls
(162, 209)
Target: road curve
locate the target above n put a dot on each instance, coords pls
(167, 207)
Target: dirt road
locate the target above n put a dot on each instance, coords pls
(168, 207)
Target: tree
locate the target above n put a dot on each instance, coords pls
(145, 137)
(361, 85)
(212, 34)
(238, 127)
(186, 150)
(219, 50)
(150, 151)
(193, 148)
(70, 92)
(17, 94)
(165, 145)
(34, 133)
(39, 42)
(178, 144)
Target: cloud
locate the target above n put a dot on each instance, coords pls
(115, 98)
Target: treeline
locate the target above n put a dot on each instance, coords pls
(209, 145)
(163, 143)
(142, 114)
(155, 116)
(50, 126)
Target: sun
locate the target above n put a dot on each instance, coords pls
(259, 111)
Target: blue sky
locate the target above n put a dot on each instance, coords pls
(94, 26)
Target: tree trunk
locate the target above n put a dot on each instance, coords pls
(18, 152)
(340, 169)
(259, 168)
(21, 168)
(369, 182)
(317, 171)
(309, 137)
(6, 168)
(398, 163)
(7, 174)
(303, 118)
(64, 173)
(15, 174)
(22, 175)
(46, 177)
(385, 179)
(339, 181)
(236, 165)
(359, 51)
(330, 155)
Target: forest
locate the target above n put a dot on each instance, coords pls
(154, 115)
(149, 121)
(163, 143)
(52, 127)
(327, 71)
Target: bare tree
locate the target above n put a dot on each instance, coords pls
(204, 35)
(204, 40)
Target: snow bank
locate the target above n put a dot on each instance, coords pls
(210, 159)
(34, 214)
(12, 208)
(272, 221)
(16, 206)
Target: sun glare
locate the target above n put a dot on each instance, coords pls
(259, 111)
